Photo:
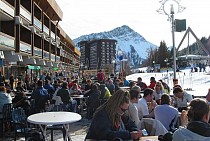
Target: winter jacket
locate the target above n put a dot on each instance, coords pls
(41, 96)
(101, 128)
(5, 98)
(196, 130)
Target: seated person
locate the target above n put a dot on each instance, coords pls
(105, 93)
(152, 126)
(20, 87)
(181, 98)
(138, 89)
(143, 109)
(132, 84)
(198, 128)
(141, 84)
(152, 83)
(93, 100)
(165, 86)
(107, 124)
(110, 85)
(41, 97)
(22, 101)
(88, 85)
(49, 87)
(66, 98)
(158, 91)
(75, 90)
(169, 118)
(5, 98)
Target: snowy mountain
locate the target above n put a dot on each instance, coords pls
(131, 43)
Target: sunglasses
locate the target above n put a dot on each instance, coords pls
(123, 110)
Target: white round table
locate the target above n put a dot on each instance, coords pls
(54, 118)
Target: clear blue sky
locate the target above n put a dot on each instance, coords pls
(82, 17)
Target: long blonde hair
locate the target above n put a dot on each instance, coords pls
(114, 102)
(159, 84)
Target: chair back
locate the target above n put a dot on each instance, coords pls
(58, 100)
(19, 120)
(6, 118)
(18, 115)
(32, 109)
(7, 112)
(61, 107)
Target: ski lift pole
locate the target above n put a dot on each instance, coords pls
(180, 80)
(191, 80)
(183, 79)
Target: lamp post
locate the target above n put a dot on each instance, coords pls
(170, 14)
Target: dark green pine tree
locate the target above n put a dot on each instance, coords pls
(163, 53)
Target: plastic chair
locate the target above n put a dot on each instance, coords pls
(19, 122)
(6, 117)
(61, 107)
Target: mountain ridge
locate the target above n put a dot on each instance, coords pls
(133, 45)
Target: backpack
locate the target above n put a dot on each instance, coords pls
(93, 99)
(103, 91)
(167, 137)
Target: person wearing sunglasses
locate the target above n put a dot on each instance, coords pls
(158, 92)
(107, 123)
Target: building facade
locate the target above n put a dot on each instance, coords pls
(98, 54)
(30, 35)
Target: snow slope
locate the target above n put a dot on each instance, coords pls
(199, 82)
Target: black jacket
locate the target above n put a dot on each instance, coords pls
(199, 127)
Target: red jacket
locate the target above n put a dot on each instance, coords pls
(152, 84)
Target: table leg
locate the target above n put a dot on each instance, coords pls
(66, 127)
(82, 104)
(44, 131)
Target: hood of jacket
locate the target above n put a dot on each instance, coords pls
(199, 127)
(183, 134)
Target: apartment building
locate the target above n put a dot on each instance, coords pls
(31, 38)
(98, 53)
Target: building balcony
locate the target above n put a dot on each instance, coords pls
(46, 55)
(24, 47)
(46, 30)
(52, 57)
(7, 41)
(6, 8)
(38, 24)
(53, 35)
(37, 51)
(25, 14)
(57, 58)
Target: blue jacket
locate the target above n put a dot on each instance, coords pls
(41, 96)
(101, 128)
(5, 98)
